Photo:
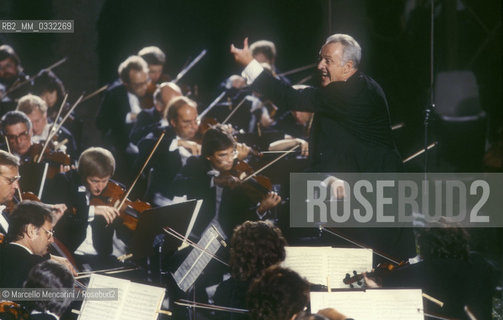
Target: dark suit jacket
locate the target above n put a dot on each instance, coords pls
(15, 264)
(146, 122)
(111, 118)
(235, 206)
(68, 188)
(351, 128)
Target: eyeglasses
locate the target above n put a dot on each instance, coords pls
(23, 135)
(11, 180)
(49, 232)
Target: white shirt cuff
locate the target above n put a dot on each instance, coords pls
(128, 117)
(90, 216)
(174, 145)
(252, 71)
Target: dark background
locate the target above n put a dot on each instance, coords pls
(394, 35)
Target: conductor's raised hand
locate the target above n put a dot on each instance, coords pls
(242, 56)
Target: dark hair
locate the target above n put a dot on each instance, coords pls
(49, 274)
(152, 55)
(49, 82)
(445, 242)
(8, 159)
(278, 294)
(6, 52)
(216, 139)
(96, 162)
(27, 212)
(131, 63)
(176, 104)
(254, 247)
(15, 117)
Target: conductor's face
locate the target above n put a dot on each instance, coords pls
(330, 64)
(96, 185)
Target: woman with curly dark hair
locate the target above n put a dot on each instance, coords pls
(254, 247)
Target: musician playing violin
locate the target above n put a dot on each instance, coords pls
(9, 182)
(11, 72)
(90, 231)
(36, 110)
(225, 204)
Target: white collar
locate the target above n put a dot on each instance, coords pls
(22, 246)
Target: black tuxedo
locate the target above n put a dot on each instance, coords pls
(195, 182)
(164, 165)
(351, 127)
(146, 122)
(15, 264)
(111, 118)
(68, 188)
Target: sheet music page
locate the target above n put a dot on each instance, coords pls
(310, 262)
(373, 304)
(97, 310)
(342, 261)
(141, 302)
(193, 219)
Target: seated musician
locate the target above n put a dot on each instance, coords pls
(28, 239)
(155, 59)
(11, 72)
(206, 177)
(255, 245)
(87, 231)
(174, 150)
(278, 294)
(149, 119)
(36, 109)
(50, 275)
(51, 89)
(119, 110)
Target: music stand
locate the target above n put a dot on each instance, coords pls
(180, 216)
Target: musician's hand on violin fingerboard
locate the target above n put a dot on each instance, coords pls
(64, 262)
(193, 147)
(242, 56)
(369, 282)
(63, 168)
(243, 151)
(270, 201)
(107, 212)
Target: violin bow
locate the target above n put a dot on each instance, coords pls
(212, 104)
(271, 163)
(56, 129)
(59, 113)
(194, 304)
(193, 63)
(22, 83)
(141, 170)
(296, 70)
(420, 152)
(234, 110)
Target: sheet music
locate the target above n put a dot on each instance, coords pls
(326, 265)
(192, 220)
(141, 302)
(95, 309)
(135, 301)
(372, 304)
(197, 260)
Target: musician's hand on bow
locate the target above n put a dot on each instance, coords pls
(193, 147)
(64, 168)
(369, 282)
(107, 212)
(242, 56)
(64, 262)
(304, 147)
(270, 201)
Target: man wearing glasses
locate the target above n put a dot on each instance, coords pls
(9, 182)
(29, 237)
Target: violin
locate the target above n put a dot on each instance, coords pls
(54, 158)
(114, 195)
(243, 177)
(382, 270)
(13, 310)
